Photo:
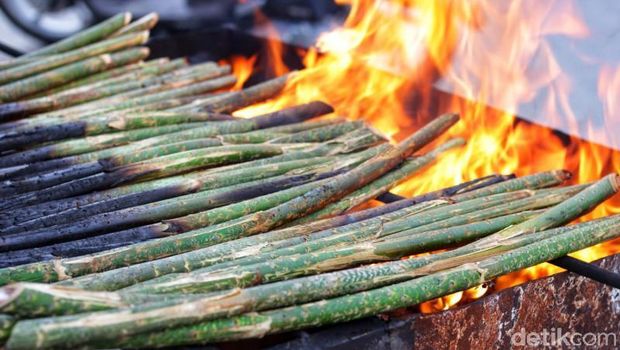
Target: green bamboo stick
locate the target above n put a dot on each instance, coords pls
(534, 181)
(251, 224)
(381, 185)
(431, 219)
(71, 330)
(331, 258)
(172, 86)
(109, 75)
(404, 228)
(30, 300)
(264, 135)
(262, 165)
(334, 253)
(240, 99)
(146, 22)
(100, 89)
(47, 63)
(85, 37)
(565, 212)
(352, 306)
(67, 73)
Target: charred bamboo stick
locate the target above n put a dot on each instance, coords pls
(72, 147)
(266, 166)
(252, 224)
(170, 208)
(80, 170)
(79, 146)
(175, 87)
(104, 126)
(67, 73)
(153, 168)
(155, 106)
(142, 193)
(206, 200)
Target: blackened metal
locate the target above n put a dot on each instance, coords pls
(586, 269)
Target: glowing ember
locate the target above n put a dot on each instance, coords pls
(388, 51)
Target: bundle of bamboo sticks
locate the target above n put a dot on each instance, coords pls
(137, 212)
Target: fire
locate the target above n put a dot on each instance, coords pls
(381, 66)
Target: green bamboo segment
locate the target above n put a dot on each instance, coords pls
(146, 22)
(139, 193)
(32, 299)
(309, 125)
(341, 309)
(14, 62)
(94, 91)
(534, 181)
(67, 73)
(120, 71)
(132, 322)
(85, 37)
(47, 63)
(283, 267)
(240, 99)
(251, 224)
(564, 212)
(401, 223)
(468, 211)
(538, 200)
(185, 161)
(382, 184)
(232, 250)
(99, 142)
(172, 86)
(346, 144)
(77, 297)
(319, 134)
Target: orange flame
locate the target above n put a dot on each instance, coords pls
(381, 66)
(242, 68)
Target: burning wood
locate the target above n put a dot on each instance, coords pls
(164, 220)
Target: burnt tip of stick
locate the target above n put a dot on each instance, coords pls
(12, 110)
(563, 174)
(295, 114)
(614, 179)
